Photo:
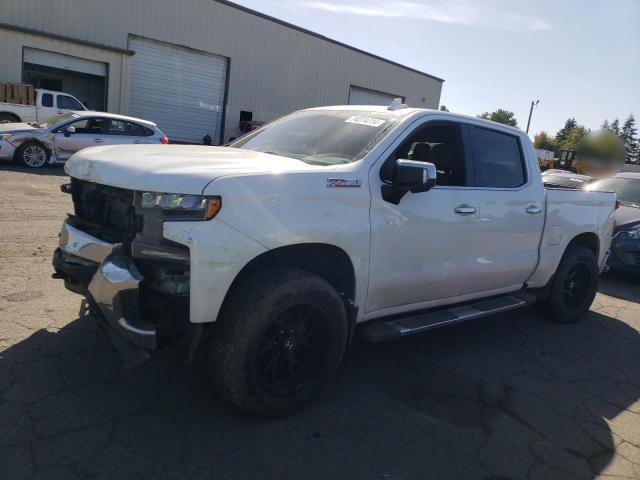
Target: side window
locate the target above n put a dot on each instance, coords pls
(135, 130)
(438, 143)
(68, 103)
(498, 157)
(46, 100)
(115, 127)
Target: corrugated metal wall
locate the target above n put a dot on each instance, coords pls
(273, 69)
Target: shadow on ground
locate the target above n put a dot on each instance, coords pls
(506, 397)
(50, 170)
(624, 286)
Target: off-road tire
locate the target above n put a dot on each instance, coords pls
(579, 264)
(28, 147)
(253, 313)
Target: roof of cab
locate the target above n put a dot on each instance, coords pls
(411, 111)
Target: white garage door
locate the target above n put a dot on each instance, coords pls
(180, 89)
(364, 96)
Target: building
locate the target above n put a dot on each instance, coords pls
(196, 67)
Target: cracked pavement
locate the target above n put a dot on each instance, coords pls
(511, 396)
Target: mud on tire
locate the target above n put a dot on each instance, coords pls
(278, 342)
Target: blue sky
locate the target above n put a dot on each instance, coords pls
(580, 58)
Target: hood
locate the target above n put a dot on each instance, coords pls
(627, 217)
(15, 127)
(172, 168)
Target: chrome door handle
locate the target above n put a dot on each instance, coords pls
(465, 210)
(533, 210)
(97, 140)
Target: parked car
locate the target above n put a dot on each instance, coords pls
(399, 219)
(59, 137)
(565, 179)
(625, 248)
(47, 104)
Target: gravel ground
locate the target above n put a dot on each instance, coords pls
(512, 396)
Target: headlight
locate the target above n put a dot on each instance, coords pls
(201, 207)
(5, 136)
(634, 234)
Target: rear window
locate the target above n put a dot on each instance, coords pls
(498, 157)
(46, 100)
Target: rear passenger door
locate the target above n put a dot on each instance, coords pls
(510, 220)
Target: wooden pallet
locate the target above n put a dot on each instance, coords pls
(19, 93)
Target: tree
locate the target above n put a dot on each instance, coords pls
(615, 126)
(628, 137)
(605, 125)
(501, 115)
(573, 138)
(444, 108)
(563, 133)
(544, 141)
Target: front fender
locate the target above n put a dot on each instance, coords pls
(217, 254)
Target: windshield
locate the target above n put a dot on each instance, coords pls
(627, 189)
(51, 121)
(320, 137)
(564, 181)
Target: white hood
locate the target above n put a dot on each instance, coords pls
(171, 168)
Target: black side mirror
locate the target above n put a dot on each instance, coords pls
(409, 176)
(69, 130)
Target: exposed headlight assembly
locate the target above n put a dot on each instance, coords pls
(5, 136)
(202, 208)
(634, 234)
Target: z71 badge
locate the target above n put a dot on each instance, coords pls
(343, 183)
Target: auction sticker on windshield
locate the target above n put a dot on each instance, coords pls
(371, 122)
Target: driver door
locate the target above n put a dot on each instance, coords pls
(88, 132)
(420, 248)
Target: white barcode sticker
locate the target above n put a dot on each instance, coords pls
(371, 122)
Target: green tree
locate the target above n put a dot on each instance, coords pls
(564, 132)
(544, 141)
(501, 115)
(615, 126)
(573, 138)
(605, 125)
(628, 137)
(444, 108)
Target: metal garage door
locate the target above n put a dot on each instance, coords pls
(180, 89)
(364, 96)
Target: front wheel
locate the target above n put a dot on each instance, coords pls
(574, 286)
(32, 155)
(279, 341)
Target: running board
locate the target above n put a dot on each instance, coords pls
(400, 327)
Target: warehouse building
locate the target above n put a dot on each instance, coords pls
(195, 67)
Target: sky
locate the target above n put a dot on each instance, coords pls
(580, 58)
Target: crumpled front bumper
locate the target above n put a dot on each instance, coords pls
(109, 279)
(625, 253)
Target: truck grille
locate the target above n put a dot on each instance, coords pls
(108, 207)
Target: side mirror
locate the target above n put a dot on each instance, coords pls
(69, 130)
(409, 176)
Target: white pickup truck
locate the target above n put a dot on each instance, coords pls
(396, 218)
(48, 104)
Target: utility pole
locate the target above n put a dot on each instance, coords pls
(533, 104)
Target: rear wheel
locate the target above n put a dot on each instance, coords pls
(574, 286)
(32, 155)
(279, 341)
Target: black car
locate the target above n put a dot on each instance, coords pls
(625, 247)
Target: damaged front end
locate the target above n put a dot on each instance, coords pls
(112, 251)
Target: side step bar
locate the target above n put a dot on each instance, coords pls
(399, 327)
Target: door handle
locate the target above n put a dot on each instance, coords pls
(136, 141)
(465, 210)
(97, 140)
(533, 210)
